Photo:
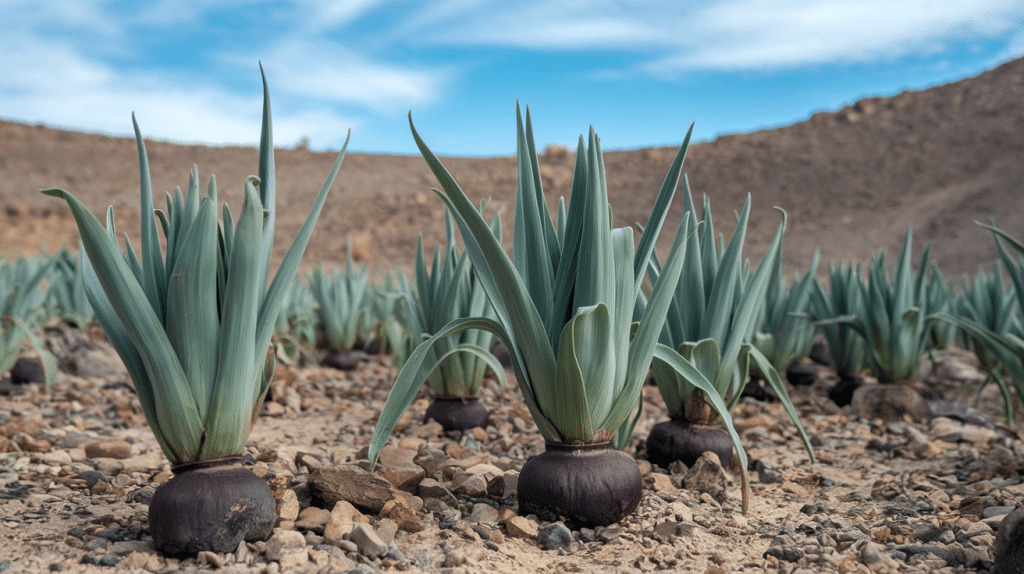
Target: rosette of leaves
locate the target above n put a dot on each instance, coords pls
(787, 330)
(295, 329)
(66, 290)
(894, 322)
(847, 350)
(343, 304)
(22, 313)
(1006, 345)
(710, 324)
(988, 303)
(564, 304)
(194, 327)
(941, 299)
(448, 291)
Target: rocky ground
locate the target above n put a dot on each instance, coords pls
(79, 466)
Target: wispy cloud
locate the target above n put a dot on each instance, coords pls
(188, 67)
(328, 71)
(669, 37)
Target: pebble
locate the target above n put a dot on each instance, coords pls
(554, 536)
(521, 527)
(109, 448)
(707, 477)
(288, 506)
(367, 541)
(484, 514)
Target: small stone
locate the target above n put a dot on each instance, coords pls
(310, 461)
(681, 511)
(312, 519)
(430, 488)
(242, 554)
(342, 520)
(474, 486)
(272, 409)
(403, 511)
(282, 542)
(398, 466)
(707, 476)
(56, 458)
(429, 430)
(288, 506)
(554, 536)
(208, 558)
(484, 513)
(660, 483)
(108, 466)
(996, 511)
(504, 486)
(521, 527)
(386, 530)
(109, 448)
(369, 544)
(666, 530)
(293, 559)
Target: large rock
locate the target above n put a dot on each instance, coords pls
(330, 484)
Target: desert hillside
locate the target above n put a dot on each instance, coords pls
(850, 180)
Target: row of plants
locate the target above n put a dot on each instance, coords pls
(201, 324)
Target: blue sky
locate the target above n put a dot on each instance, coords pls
(640, 72)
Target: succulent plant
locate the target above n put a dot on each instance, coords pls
(194, 328)
(787, 331)
(66, 290)
(448, 291)
(564, 305)
(343, 303)
(710, 324)
(843, 300)
(22, 312)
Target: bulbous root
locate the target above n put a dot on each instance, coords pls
(585, 485)
(210, 507)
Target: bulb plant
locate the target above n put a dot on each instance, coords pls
(894, 322)
(194, 326)
(710, 324)
(451, 290)
(295, 329)
(988, 304)
(1003, 344)
(66, 291)
(343, 306)
(787, 332)
(22, 313)
(843, 301)
(563, 306)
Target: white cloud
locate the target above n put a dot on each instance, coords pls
(722, 35)
(329, 72)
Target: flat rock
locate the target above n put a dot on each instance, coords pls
(109, 448)
(398, 467)
(366, 491)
